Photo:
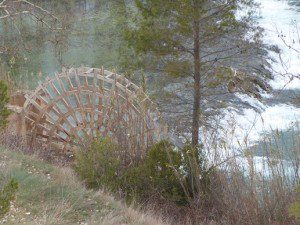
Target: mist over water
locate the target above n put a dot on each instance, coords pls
(279, 109)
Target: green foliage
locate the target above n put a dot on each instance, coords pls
(157, 173)
(198, 173)
(4, 99)
(99, 165)
(167, 28)
(190, 39)
(295, 208)
(7, 194)
(168, 173)
(178, 69)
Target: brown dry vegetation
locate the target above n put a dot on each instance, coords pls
(236, 195)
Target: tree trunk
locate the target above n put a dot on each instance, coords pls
(197, 94)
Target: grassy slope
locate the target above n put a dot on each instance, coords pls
(51, 195)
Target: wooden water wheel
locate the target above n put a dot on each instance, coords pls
(82, 103)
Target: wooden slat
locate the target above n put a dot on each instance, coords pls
(107, 102)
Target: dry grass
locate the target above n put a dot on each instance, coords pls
(52, 195)
(252, 190)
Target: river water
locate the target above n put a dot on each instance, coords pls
(279, 110)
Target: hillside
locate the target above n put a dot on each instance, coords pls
(52, 195)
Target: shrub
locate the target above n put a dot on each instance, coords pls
(7, 194)
(198, 174)
(99, 165)
(4, 99)
(155, 176)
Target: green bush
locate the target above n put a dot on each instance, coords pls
(4, 99)
(7, 194)
(99, 165)
(295, 209)
(198, 173)
(165, 173)
(155, 176)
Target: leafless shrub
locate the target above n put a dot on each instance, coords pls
(251, 189)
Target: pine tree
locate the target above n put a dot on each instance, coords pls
(192, 38)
